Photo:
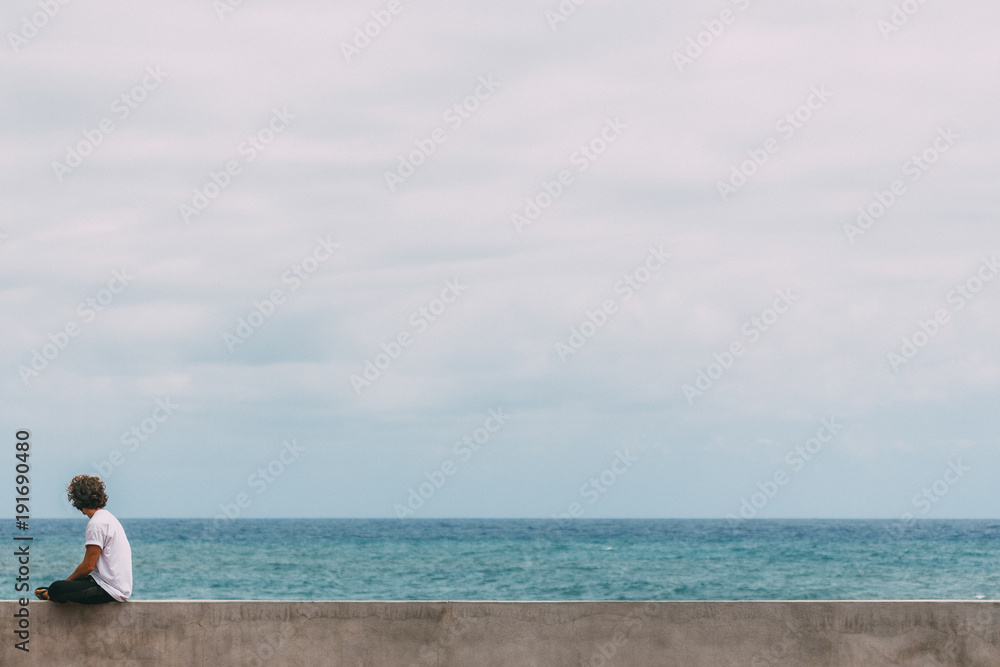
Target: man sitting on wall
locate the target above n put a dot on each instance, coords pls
(105, 575)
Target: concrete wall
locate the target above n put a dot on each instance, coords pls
(525, 634)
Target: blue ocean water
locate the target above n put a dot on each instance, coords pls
(473, 559)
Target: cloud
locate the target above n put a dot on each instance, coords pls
(654, 182)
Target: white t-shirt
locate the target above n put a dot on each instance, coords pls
(114, 566)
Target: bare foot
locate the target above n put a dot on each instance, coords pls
(42, 593)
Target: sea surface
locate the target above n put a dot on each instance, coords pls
(475, 559)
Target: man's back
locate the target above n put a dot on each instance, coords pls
(113, 572)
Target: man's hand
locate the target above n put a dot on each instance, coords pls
(88, 564)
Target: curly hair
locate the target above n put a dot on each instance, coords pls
(87, 493)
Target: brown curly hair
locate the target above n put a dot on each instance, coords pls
(87, 493)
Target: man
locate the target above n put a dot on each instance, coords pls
(105, 575)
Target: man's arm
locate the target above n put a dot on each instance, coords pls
(88, 564)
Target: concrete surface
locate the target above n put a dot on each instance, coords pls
(525, 634)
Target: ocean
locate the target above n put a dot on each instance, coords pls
(501, 559)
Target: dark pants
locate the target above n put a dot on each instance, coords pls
(82, 591)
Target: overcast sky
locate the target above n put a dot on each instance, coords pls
(256, 260)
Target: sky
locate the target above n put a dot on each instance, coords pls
(589, 259)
